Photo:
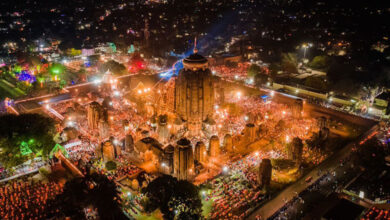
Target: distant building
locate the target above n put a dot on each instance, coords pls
(381, 104)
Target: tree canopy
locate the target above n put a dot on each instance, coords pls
(289, 62)
(93, 190)
(115, 67)
(19, 133)
(253, 70)
(320, 62)
(371, 154)
(177, 199)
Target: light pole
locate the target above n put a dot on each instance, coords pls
(304, 46)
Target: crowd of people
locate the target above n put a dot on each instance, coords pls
(27, 200)
(376, 214)
(236, 190)
(232, 73)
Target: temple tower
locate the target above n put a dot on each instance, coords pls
(94, 113)
(200, 152)
(228, 143)
(183, 160)
(194, 92)
(214, 147)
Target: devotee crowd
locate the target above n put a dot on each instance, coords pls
(232, 73)
(376, 214)
(234, 193)
(27, 200)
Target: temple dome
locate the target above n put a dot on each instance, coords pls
(195, 61)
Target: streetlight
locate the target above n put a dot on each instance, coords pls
(305, 46)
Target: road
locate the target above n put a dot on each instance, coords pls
(291, 191)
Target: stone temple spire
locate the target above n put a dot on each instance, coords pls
(195, 50)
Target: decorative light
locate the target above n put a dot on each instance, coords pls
(97, 81)
(225, 169)
(287, 138)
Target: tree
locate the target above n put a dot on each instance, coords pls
(93, 190)
(320, 62)
(289, 62)
(26, 131)
(371, 154)
(110, 165)
(261, 79)
(254, 70)
(115, 67)
(175, 199)
(316, 83)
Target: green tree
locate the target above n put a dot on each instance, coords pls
(320, 62)
(317, 83)
(115, 67)
(175, 198)
(254, 70)
(16, 132)
(110, 165)
(289, 62)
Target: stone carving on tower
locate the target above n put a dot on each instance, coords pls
(194, 93)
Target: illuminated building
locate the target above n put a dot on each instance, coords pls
(129, 143)
(94, 114)
(183, 160)
(200, 152)
(162, 128)
(214, 147)
(250, 133)
(194, 93)
(265, 172)
(228, 143)
(108, 151)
